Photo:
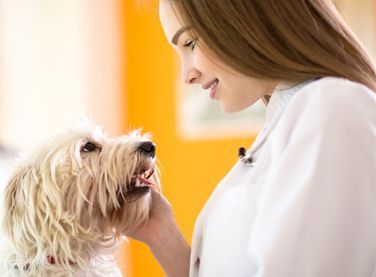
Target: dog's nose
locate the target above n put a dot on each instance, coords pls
(148, 147)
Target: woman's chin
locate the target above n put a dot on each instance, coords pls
(232, 107)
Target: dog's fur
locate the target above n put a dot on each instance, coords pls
(66, 209)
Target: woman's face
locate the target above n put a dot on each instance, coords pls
(233, 90)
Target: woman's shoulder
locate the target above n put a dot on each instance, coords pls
(331, 105)
(336, 89)
(333, 96)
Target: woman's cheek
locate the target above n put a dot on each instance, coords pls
(202, 61)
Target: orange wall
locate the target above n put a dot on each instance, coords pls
(190, 169)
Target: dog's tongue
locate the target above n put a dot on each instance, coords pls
(143, 180)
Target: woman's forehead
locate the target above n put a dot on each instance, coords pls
(171, 25)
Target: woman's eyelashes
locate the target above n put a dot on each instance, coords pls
(191, 43)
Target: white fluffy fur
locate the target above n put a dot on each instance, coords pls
(72, 205)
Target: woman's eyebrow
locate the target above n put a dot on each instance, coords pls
(178, 33)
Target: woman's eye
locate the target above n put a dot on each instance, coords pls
(88, 147)
(190, 43)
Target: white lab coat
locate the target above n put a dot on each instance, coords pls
(307, 207)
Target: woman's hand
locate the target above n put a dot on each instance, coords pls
(161, 219)
(164, 238)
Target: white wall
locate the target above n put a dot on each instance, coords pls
(58, 60)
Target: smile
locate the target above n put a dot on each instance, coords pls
(214, 84)
(210, 84)
(213, 88)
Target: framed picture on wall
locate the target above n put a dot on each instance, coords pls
(200, 117)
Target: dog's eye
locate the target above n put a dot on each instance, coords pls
(88, 147)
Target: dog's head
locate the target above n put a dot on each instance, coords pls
(81, 187)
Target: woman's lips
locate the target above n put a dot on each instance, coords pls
(213, 90)
(208, 84)
(212, 85)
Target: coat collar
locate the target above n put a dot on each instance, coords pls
(280, 99)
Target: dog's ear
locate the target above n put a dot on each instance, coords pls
(15, 200)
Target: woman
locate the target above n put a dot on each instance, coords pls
(301, 201)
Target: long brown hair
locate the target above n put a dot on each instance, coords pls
(288, 40)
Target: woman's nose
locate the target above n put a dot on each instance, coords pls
(191, 76)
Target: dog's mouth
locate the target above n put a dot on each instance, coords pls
(140, 183)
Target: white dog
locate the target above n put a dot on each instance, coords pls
(68, 206)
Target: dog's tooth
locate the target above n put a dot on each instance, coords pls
(138, 182)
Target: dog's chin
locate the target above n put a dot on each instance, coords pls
(135, 190)
(138, 191)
